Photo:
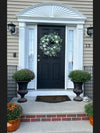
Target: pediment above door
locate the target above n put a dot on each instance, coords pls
(49, 11)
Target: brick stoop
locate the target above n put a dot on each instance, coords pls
(54, 117)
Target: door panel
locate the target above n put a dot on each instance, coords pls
(50, 70)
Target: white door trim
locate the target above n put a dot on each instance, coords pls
(35, 15)
(78, 49)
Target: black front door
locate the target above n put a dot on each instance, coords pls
(51, 70)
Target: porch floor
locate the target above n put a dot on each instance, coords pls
(32, 107)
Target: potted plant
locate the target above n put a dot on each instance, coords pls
(23, 77)
(78, 77)
(14, 112)
(89, 111)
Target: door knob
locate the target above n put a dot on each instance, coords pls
(38, 60)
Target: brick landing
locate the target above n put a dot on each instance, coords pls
(58, 117)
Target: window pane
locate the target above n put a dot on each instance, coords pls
(70, 49)
(30, 50)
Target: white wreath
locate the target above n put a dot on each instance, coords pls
(50, 44)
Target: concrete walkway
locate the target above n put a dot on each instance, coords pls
(55, 127)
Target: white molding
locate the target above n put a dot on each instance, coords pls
(50, 10)
(22, 41)
(48, 21)
(35, 58)
(80, 46)
(69, 82)
(66, 59)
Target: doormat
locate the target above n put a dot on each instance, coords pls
(53, 99)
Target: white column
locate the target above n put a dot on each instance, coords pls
(22, 40)
(78, 48)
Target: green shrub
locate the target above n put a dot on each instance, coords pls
(23, 75)
(89, 109)
(14, 111)
(79, 76)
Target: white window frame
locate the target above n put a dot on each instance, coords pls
(68, 83)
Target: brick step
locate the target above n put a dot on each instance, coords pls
(54, 117)
(55, 127)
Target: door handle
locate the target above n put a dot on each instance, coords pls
(38, 60)
(38, 55)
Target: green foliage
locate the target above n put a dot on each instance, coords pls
(89, 109)
(14, 111)
(79, 76)
(23, 75)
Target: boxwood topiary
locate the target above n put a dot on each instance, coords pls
(79, 76)
(23, 75)
(89, 109)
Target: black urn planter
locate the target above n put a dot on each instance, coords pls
(22, 90)
(78, 90)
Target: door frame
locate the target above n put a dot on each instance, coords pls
(62, 58)
(78, 49)
(34, 15)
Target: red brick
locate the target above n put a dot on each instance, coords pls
(61, 115)
(56, 119)
(30, 116)
(23, 116)
(22, 120)
(25, 120)
(85, 118)
(51, 115)
(81, 115)
(40, 116)
(35, 120)
(71, 115)
(66, 119)
(46, 119)
(76, 119)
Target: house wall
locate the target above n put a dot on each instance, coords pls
(11, 84)
(15, 6)
(88, 86)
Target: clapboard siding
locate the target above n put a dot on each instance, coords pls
(88, 86)
(11, 84)
(15, 6)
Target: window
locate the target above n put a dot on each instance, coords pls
(70, 49)
(30, 49)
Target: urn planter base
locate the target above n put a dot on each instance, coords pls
(78, 90)
(22, 93)
(78, 98)
(22, 90)
(22, 100)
